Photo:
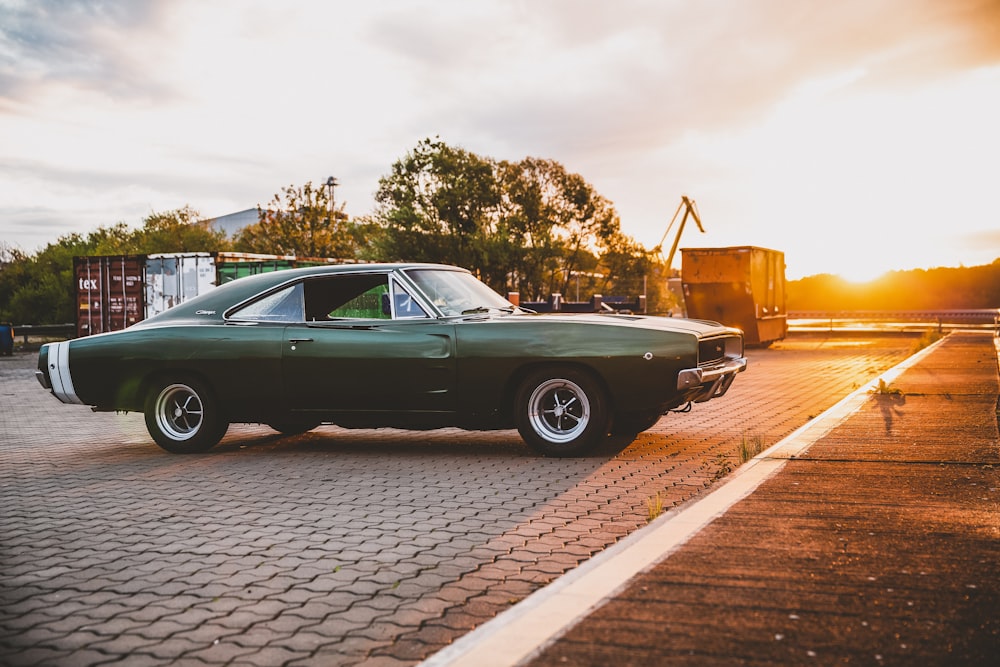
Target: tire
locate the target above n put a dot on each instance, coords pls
(183, 417)
(294, 428)
(561, 411)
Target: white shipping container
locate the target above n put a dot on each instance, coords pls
(172, 278)
(116, 291)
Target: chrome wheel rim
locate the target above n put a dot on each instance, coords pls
(179, 412)
(558, 410)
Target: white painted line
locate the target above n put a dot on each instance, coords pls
(536, 621)
(803, 437)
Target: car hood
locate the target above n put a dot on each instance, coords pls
(673, 324)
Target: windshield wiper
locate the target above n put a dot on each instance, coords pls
(485, 309)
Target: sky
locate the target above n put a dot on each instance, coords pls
(856, 136)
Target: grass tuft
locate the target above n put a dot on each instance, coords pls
(928, 338)
(750, 447)
(654, 506)
(884, 389)
(725, 466)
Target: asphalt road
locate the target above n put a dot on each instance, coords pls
(339, 547)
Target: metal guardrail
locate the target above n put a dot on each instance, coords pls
(25, 331)
(959, 317)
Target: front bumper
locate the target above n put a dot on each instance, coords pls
(703, 384)
(53, 372)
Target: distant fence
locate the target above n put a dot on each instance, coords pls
(985, 318)
(597, 304)
(26, 331)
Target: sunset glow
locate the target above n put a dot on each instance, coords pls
(857, 137)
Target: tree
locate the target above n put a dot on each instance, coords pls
(177, 231)
(530, 187)
(299, 222)
(528, 226)
(39, 289)
(434, 206)
(630, 269)
(941, 288)
(564, 220)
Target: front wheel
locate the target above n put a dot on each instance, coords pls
(561, 411)
(183, 417)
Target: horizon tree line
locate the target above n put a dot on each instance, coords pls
(526, 226)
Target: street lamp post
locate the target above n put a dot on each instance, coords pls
(331, 183)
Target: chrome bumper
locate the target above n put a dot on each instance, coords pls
(43, 380)
(703, 384)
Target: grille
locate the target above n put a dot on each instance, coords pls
(712, 351)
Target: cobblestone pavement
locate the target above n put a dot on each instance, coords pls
(875, 545)
(338, 547)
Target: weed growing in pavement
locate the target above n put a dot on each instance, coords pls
(654, 506)
(884, 389)
(890, 401)
(725, 467)
(750, 447)
(927, 339)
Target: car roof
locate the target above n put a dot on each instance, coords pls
(212, 304)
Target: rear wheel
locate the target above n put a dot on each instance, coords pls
(183, 417)
(561, 411)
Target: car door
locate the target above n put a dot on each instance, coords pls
(367, 347)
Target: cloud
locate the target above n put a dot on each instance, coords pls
(82, 44)
(571, 78)
(116, 108)
(983, 239)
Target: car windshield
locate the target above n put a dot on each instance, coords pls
(457, 292)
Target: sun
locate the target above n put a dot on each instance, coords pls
(860, 275)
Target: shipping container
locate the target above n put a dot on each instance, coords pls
(230, 266)
(172, 278)
(109, 292)
(113, 292)
(740, 286)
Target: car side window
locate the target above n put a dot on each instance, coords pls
(372, 304)
(365, 296)
(354, 296)
(282, 306)
(406, 307)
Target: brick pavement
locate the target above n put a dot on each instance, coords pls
(337, 547)
(878, 545)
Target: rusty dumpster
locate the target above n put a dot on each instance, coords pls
(742, 286)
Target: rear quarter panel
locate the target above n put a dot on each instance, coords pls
(241, 364)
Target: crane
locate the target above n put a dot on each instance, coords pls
(690, 210)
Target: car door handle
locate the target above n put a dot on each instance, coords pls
(293, 341)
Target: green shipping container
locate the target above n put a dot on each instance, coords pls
(229, 271)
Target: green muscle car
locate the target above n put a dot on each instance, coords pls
(413, 346)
